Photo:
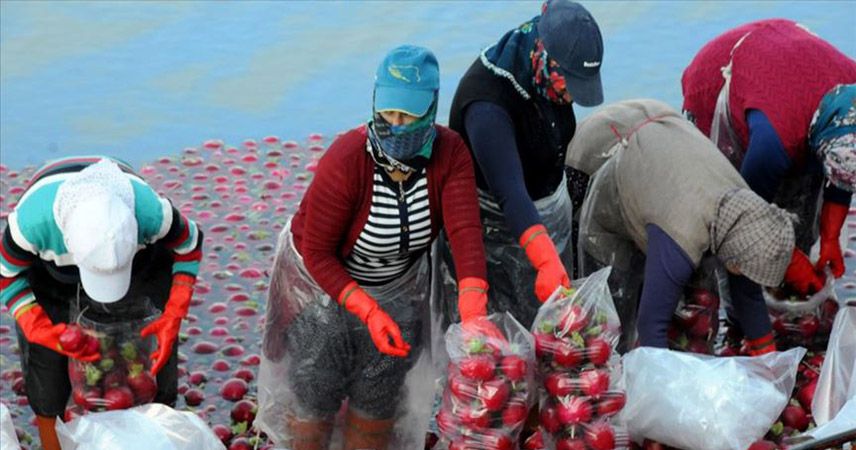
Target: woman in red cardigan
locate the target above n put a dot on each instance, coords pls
(354, 268)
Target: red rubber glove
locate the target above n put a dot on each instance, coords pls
(761, 346)
(472, 304)
(801, 275)
(381, 327)
(166, 327)
(544, 257)
(39, 329)
(832, 217)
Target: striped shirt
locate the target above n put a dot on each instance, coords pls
(32, 233)
(398, 230)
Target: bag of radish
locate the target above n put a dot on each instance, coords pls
(576, 332)
(121, 378)
(696, 320)
(490, 387)
(802, 321)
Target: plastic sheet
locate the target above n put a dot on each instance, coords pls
(509, 273)
(145, 427)
(703, 402)
(490, 386)
(576, 333)
(317, 351)
(8, 437)
(836, 385)
(121, 378)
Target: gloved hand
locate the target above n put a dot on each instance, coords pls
(544, 257)
(762, 345)
(472, 304)
(38, 329)
(381, 327)
(832, 217)
(801, 275)
(166, 327)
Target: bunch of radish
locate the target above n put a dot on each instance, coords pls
(489, 389)
(695, 322)
(575, 335)
(800, 322)
(120, 379)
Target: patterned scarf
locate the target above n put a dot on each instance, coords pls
(405, 147)
(833, 136)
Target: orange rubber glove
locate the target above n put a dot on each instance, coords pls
(832, 217)
(761, 346)
(472, 304)
(544, 257)
(38, 329)
(381, 327)
(165, 328)
(801, 276)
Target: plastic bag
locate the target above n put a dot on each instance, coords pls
(576, 333)
(844, 420)
(509, 273)
(837, 382)
(703, 402)
(490, 386)
(147, 427)
(121, 378)
(317, 342)
(8, 437)
(802, 322)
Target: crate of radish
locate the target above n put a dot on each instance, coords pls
(576, 332)
(120, 379)
(802, 321)
(490, 386)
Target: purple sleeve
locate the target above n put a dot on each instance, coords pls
(667, 271)
(748, 307)
(766, 161)
(491, 135)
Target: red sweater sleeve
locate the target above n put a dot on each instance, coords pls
(331, 205)
(461, 211)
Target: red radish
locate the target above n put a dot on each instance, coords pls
(550, 419)
(462, 389)
(702, 327)
(514, 414)
(794, 416)
(494, 394)
(447, 423)
(251, 360)
(534, 441)
(545, 344)
(73, 338)
(459, 444)
(598, 351)
(763, 445)
(142, 384)
(495, 440)
(514, 367)
(114, 378)
(222, 432)
(234, 389)
(480, 368)
(233, 350)
(573, 320)
(566, 354)
(244, 374)
(559, 384)
(118, 398)
(221, 365)
(600, 436)
(197, 377)
(241, 443)
(204, 348)
(573, 411)
(705, 298)
(244, 411)
(698, 346)
(806, 394)
(808, 325)
(474, 417)
(594, 382)
(610, 403)
(93, 345)
(86, 397)
(193, 397)
(568, 443)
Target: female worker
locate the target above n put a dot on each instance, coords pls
(662, 190)
(514, 108)
(780, 103)
(92, 222)
(351, 281)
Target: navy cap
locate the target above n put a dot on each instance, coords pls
(572, 38)
(407, 80)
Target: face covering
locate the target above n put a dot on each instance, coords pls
(546, 78)
(404, 145)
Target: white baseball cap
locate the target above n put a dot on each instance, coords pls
(101, 236)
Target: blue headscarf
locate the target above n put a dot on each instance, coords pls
(832, 136)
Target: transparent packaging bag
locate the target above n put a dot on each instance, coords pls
(121, 378)
(296, 304)
(695, 323)
(703, 402)
(576, 335)
(490, 386)
(836, 385)
(802, 321)
(8, 436)
(146, 427)
(509, 273)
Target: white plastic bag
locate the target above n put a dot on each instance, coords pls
(147, 427)
(8, 437)
(702, 402)
(837, 383)
(845, 420)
